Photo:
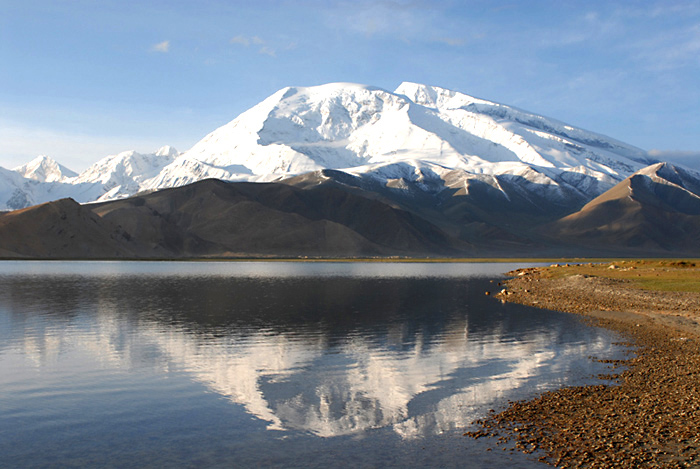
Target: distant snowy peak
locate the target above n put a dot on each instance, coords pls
(116, 176)
(123, 174)
(128, 164)
(45, 169)
(167, 151)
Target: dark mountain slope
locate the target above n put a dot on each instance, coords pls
(63, 229)
(212, 218)
(654, 211)
(487, 214)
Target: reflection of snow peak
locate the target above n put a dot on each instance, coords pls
(286, 380)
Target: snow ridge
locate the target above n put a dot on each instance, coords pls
(45, 169)
(418, 134)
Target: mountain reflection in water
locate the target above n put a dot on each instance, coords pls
(327, 350)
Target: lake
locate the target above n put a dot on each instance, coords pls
(271, 364)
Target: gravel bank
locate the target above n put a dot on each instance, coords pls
(652, 417)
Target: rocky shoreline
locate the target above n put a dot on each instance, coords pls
(650, 415)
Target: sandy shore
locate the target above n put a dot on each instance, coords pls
(651, 418)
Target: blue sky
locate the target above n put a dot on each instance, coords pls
(83, 79)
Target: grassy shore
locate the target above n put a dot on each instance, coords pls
(651, 416)
(655, 275)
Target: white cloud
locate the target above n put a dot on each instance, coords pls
(403, 20)
(584, 30)
(241, 40)
(161, 47)
(247, 41)
(663, 8)
(265, 50)
(450, 41)
(256, 40)
(670, 50)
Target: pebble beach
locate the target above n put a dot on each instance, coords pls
(646, 412)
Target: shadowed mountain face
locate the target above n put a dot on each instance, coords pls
(654, 211)
(63, 229)
(484, 209)
(215, 218)
(330, 213)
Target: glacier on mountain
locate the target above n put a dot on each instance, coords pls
(428, 136)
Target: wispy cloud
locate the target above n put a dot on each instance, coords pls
(658, 36)
(408, 21)
(670, 50)
(451, 41)
(240, 40)
(589, 28)
(659, 9)
(403, 20)
(266, 50)
(247, 41)
(162, 47)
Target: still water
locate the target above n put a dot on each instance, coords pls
(153, 364)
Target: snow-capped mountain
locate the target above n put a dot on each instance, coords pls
(123, 174)
(416, 132)
(16, 191)
(428, 137)
(116, 176)
(45, 169)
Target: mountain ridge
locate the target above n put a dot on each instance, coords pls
(352, 170)
(365, 130)
(330, 214)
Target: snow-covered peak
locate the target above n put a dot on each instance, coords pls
(45, 169)
(123, 174)
(295, 130)
(517, 120)
(168, 151)
(438, 98)
(325, 112)
(383, 135)
(128, 164)
(358, 128)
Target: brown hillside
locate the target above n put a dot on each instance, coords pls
(62, 229)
